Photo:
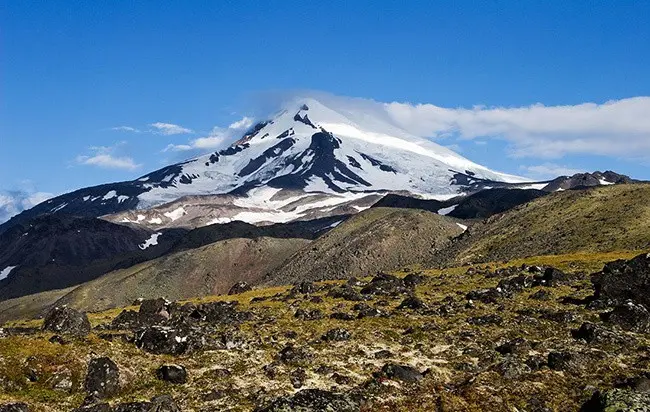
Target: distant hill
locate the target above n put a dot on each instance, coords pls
(599, 219)
(373, 240)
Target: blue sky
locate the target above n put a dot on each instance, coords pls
(74, 71)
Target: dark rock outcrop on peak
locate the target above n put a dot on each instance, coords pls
(582, 180)
(479, 205)
(67, 321)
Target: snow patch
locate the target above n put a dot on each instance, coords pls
(59, 207)
(462, 226)
(110, 195)
(176, 214)
(335, 224)
(122, 198)
(219, 221)
(155, 221)
(536, 186)
(152, 241)
(605, 182)
(447, 210)
(5, 272)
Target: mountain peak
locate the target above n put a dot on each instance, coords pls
(312, 146)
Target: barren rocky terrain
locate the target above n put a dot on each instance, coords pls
(535, 335)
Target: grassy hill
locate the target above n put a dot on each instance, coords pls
(207, 270)
(601, 219)
(374, 240)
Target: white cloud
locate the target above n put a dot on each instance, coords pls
(215, 139)
(549, 170)
(169, 129)
(13, 202)
(210, 142)
(108, 161)
(104, 157)
(244, 123)
(125, 129)
(617, 127)
(177, 148)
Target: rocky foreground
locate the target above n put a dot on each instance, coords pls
(490, 337)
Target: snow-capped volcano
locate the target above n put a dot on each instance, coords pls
(307, 149)
(316, 149)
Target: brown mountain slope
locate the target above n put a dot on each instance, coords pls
(374, 240)
(601, 219)
(208, 270)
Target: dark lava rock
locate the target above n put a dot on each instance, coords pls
(536, 362)
(386, 285)
(126, 320)
(336, 335)
(412, 302)
(541, 295)
(491, 295)
(401, 372)
(172, 373)
(630, 316)
(370, 312)
(514, 284)
(551, 277)
(342, 316)
(213, 395)
(304, 287)
(14, 407)
(517, 346)
(511, 368)
(65, 320)
(561, 360)
(157, 306)
(58, 339)
(313, 400)
(341, 379)
(93, 407)
(383, 354)
(298, 378)
(103, 378)
(615, 400)
(161, 403)
(413, 279)
(221, 313)
(485, 320)
(291, 355)
(622, 280)
(302, 314)
(240, 287)
(592, 333)
(345, 292)
(164, 340)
